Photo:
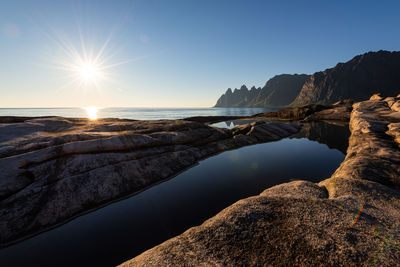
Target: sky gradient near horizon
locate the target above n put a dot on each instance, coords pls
(178, 53)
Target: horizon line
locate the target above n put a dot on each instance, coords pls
(83, 107)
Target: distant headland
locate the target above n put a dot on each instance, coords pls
(357, 79)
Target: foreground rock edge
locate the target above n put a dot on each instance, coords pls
(351, 218)
(53, 169)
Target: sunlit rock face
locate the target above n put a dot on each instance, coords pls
(373, 152)
(54, 168)
(350, 219)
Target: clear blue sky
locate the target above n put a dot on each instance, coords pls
(179, 53)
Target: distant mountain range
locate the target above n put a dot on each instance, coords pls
(357, 79)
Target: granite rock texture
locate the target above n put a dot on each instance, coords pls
(53, 169)
(350, 219)
(339, 111)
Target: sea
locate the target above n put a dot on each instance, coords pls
(132, 113)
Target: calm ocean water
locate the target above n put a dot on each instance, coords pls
(133, 113)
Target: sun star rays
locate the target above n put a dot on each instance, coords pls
(84, 68)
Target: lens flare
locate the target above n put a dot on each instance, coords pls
(357, 216)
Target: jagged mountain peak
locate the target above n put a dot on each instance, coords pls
(358, 78)
(280, 90)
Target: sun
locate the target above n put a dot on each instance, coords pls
(86, 68)
(89, 72)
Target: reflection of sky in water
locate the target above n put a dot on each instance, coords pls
(233, 123)
(123, 229)
(224, 124)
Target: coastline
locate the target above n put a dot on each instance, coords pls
(179, 140)
(339, 221)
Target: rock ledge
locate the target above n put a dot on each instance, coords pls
(350, 219)
(53, 169)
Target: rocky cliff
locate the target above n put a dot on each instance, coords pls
(278, 91)
(356, 79)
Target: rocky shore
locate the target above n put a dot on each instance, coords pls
(339, 111)
(350, 219)
(53, 169)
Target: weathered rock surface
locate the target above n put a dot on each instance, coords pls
(339, 111)
(373, 152)
(53, 168)
(350, 219)
(297, 113)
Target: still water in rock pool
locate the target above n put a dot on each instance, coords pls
(233, 123)
(124, 229)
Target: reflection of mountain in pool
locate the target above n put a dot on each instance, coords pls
(334, 135)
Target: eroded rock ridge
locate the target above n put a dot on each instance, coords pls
(54, 168)
(350, 219)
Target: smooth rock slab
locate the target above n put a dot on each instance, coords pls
(53, 169)
(350, 219)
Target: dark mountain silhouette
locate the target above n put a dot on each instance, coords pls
(358, 79)
(279, 91)
(238, 98)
